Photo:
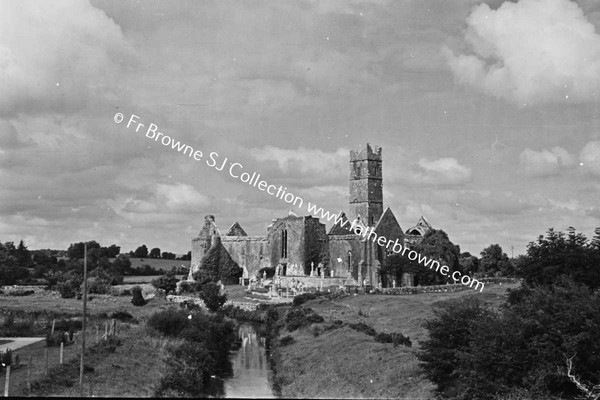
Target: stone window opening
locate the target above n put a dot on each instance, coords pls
(284, 245)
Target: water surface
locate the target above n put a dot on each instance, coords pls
(250, 367)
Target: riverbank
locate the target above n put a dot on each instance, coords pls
(314, 362)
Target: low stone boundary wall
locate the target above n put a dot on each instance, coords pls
(180, 299)
(247, 306)
(311, 281)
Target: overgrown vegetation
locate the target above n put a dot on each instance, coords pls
(542, 344)
(202, 353)
(299, 317)
(167, 282)
(217, 265)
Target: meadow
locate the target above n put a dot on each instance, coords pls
(337, 363)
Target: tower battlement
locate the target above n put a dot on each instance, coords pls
(366, 191)
(367, 153)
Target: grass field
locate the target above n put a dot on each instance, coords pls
(144, 278)
(157, 263)
(346, 363)
(130, 371)
(338, 363)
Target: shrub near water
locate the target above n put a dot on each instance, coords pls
(203, 352)
(300, 317)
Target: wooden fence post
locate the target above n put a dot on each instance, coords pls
(105, 330)
(46, 360)
(7, 381)
(61, 352)
(29, 367)
(53, 322)
(114, 327)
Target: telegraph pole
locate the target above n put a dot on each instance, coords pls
(84, 310)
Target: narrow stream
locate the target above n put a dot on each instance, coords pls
(250, 367)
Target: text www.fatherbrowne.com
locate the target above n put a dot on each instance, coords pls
(236, 170)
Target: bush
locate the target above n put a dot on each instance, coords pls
(69, 288)
(122, 316)
(189, 367)
(300, 317)
(190, 287)
(209, 293)
(395, 338)
(303, 298)
(286, 340)
(137, 298)
(21, 292)
(99, 286)
(167, 282)
(169, 323)
(364, 328)
(10, 328)
(55, 339)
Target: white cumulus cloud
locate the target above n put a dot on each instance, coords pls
(545, 162)
(530, 52)
(590, 157)
(56, 55)
(443, 171)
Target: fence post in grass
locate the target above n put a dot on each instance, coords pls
(7, 381)
(46, 355)
(115, 322)
(53, 323)
(61, 352)
(29, 366)
(105, 330)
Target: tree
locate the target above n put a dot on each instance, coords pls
(469, 263)
(22, 255)
(154, 253)
(167, 282)
(494, 262)
(210, 294)
(76, 250)
(450, 333)
(113, 251)
(437, 246)
(473, 352)
(558, 255)
(141, 252)
(168, 256)
(122, 265)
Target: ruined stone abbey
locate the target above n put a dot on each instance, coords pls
(300, 246)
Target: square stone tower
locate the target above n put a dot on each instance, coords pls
(366, 190)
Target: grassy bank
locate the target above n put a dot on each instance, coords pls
(346, 363)
(130, 370)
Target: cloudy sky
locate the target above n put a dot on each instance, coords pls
(488, 114)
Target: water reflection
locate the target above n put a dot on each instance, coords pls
(250, 367)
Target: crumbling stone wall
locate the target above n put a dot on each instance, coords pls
(250, 252)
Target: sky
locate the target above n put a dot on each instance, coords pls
(488, 114)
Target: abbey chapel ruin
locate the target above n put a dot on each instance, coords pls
(299, 247)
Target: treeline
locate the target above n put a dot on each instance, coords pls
(436, 245)
(142, 252)
(106, 267)
(542, 343)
